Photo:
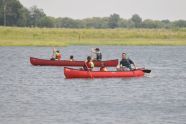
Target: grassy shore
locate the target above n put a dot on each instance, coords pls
(13, 36)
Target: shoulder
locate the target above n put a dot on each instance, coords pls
(122, 60)
(129, 59)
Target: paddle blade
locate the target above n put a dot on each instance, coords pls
(146, 70)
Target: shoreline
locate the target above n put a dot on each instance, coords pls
(15, 36)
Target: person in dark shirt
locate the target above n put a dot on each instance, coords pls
(97, 54)
(125, 63)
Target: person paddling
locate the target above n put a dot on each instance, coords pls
(125, 63)
(97, 54)
(89, 65)
(56, 55)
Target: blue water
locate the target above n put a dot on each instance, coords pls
(41, 95)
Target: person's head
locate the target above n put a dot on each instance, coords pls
(71, 57)
(124, 55)
(57, 51)
(89, 58)
(97, 49)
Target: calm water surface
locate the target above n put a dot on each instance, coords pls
(41, 95)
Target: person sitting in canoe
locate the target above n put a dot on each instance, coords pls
(56, 55)
(125, 63)
(96, 54)
(89, 65)
(71, 58)
(103, 68)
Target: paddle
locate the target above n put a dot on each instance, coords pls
(88, 71)
(145, 70)
(53, 51)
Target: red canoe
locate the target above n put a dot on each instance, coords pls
(44, 62)
(75, 73)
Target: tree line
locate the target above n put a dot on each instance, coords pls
(13, 13)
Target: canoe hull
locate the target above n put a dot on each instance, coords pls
(44, 62)
(75, 73)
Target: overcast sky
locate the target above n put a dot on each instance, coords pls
(78, 9)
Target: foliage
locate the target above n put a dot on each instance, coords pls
(113, 21)
(137, 20)
(13, 13)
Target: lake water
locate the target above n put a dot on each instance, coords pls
(41, 95)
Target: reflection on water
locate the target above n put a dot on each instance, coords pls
(30, 94)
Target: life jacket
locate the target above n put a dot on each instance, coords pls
(58, 56)
(90, 65)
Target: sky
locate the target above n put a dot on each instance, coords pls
(80, 9)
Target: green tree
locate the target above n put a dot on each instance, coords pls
(46, 22)
(123, 23)
(148, 23)
(67, 23)
(137, 20)
(113, 21)
(179, 23)
(96, 22)
(166, 24)
(1, 12)
(23, 18)
(10, 12)
(36, 16)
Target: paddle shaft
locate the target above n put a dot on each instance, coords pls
(145, 70)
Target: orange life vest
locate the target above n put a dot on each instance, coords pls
(88, 66)
(58, 56)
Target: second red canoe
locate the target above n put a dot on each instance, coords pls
(45, 62)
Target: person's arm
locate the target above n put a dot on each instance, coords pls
(134, 66)
(131, 62)
(120, 64)
(53, 53)
(54, 50)
(93, 50)
(93, 54)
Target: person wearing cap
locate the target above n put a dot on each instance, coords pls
(97, 54)
(56, 55)
(125, 63)
(89, 65)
